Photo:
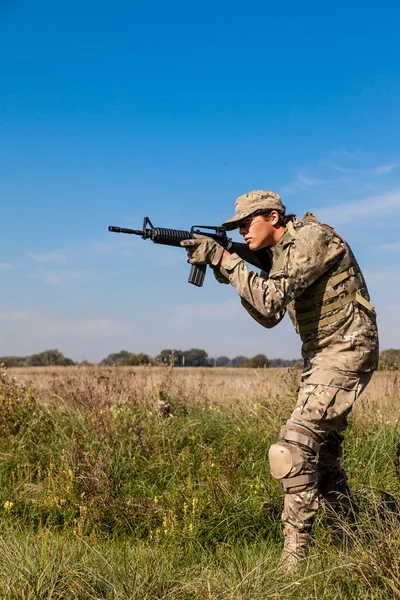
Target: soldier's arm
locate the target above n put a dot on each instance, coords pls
(308, 255)
(268, 322)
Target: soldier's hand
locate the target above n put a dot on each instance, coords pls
(203, 250)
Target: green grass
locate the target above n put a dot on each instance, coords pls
(105, 499)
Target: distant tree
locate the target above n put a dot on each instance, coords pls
(239, 361)
(284, 362)
(86, 363)
(222, 361)
(139, 359)
(276, 362)
(13, 361)
(195, 357)
(258, 361)
(298, 365)
(169, 356)
(125, 358)
(117, 358)
(48, 358)
(164, 356)
(389, 360)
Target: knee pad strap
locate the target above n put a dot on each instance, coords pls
(300, 438)
(300, 480)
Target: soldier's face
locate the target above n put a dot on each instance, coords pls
(260, 233)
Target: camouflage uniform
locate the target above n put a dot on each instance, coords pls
(315, 277)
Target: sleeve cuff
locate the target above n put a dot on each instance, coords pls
(229, 265)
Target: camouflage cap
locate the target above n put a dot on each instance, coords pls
(249, 203)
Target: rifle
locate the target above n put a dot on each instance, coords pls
(173, 237)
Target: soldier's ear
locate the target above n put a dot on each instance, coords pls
(274, 217)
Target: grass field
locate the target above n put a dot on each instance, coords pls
(103, 496)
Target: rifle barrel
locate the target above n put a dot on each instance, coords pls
(124, 230)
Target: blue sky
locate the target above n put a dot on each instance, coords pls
(113, 112)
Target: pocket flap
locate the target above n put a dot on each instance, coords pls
(336, 379)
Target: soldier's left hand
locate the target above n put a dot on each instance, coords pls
(203, 250)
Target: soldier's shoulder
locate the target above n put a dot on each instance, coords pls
(309, 228)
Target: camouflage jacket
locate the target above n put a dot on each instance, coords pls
(315, 276)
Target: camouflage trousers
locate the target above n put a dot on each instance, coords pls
(324, 402)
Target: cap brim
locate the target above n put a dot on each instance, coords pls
(233, 222)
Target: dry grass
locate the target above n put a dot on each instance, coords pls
(242, 388)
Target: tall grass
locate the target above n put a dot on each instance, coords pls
(105, 495)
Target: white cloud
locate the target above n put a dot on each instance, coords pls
(380, 170)
(62, 277)
(303, 181)
(393, 246)
(17, 315)
(65, 327)
(122, 247)
(220, 328)
(383, 169)
(26, 331)
(201, 311)
(59, 257)
(5, 266)
(362, 209)
(384, 284)
(363, 180)
(384, 288)
(145, 251)
(167, 257)
(343, 154)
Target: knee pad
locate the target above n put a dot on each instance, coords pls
(291, 454)
(284, 459)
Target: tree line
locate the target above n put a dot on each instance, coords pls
(195, 357)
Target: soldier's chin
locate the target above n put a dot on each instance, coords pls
(253, 245)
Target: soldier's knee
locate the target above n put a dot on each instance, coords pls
(293, 458)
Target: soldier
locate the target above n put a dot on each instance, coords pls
(315, 277)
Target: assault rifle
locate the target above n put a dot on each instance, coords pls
(174, 237)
